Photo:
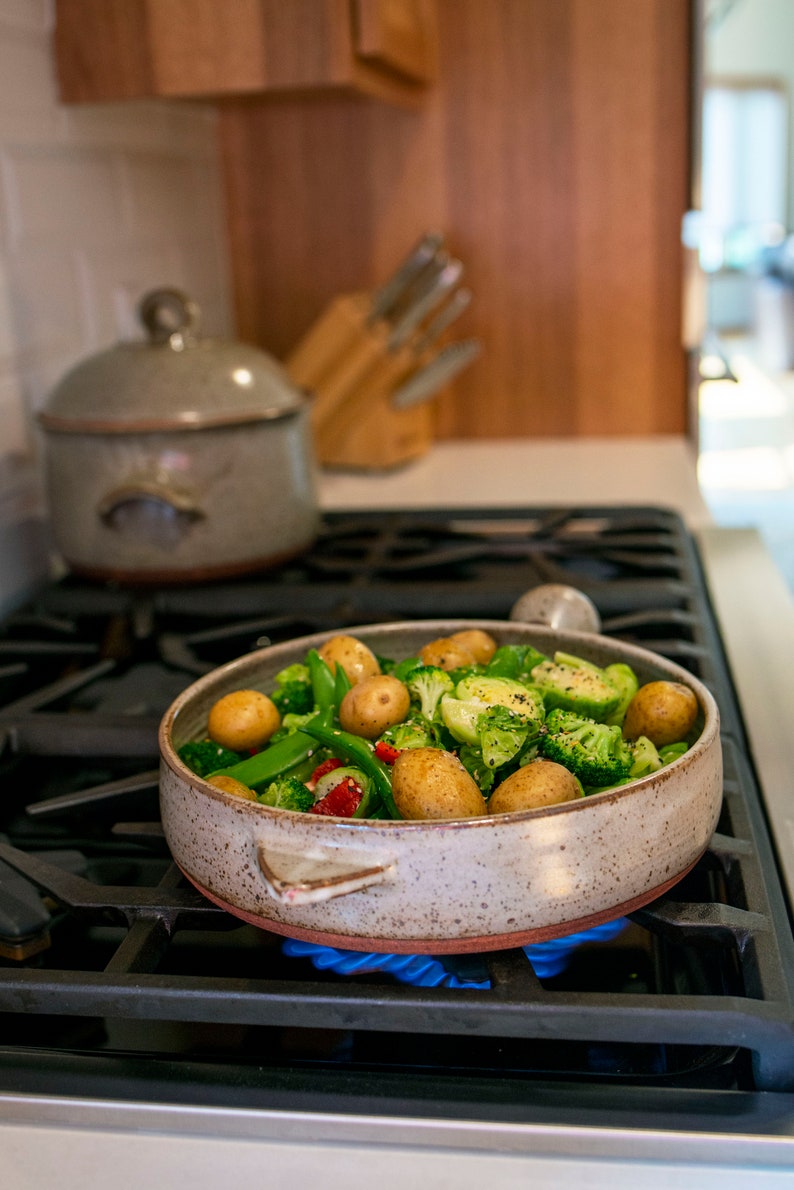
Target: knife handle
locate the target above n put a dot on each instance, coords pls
(325, 345)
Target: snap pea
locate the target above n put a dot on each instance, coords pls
(274, 761)
(342, 684)
(358, 751)
(322, 680)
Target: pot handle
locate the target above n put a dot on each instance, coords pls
(307, 880)
(172, 500)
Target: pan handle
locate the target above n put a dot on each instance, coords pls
(557, 606)
(307, 880)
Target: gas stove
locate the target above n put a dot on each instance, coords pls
(120, 983)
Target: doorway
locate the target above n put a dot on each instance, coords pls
(745, 246)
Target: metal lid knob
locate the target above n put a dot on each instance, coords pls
(170, 316)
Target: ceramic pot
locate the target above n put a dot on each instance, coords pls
(179, 458)
(440, 887)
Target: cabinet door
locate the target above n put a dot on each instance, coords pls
(211, 49)
(397, 35)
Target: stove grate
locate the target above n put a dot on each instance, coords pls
(114, 938)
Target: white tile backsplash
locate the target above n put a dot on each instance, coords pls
(14, 431)
(45, 300)
(88, 186)
(28, 95)
(8, 344)
(114, 277)
(34, 15)
(98, 204)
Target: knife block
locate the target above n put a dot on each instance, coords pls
(345, 364)
(371, 435)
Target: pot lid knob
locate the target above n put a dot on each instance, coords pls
(170, 316)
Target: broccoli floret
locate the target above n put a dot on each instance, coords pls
(287, 793)
(426, 684)
(503, 733)
(289, 724)
(294, 698)
(594, 752)
(204, 757)
(297, 672)
(293, 691)
(411, 733)
(573, 684)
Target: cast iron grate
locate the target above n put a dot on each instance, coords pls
(747, 1005)
(137, 944)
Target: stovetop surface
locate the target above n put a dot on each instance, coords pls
(118, 975)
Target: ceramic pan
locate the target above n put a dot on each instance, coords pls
(440, 887)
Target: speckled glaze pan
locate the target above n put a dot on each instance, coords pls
(440, 887)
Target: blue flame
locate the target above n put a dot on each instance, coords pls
(547, 959)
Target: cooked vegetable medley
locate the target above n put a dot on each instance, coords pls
(463, 729)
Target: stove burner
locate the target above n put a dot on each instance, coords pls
(546, 959)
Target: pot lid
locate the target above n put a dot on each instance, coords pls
(173, 380)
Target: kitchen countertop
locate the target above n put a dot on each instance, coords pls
(516, 472)
(49, 1141)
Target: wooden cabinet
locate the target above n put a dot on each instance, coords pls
(552, 150)
(126, 49)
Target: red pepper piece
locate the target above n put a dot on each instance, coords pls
(341, 801)
(327, 766)
(386, 752)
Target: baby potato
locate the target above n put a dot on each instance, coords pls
(230, 785)
(357, 660)
(374, 704)
(539, 783)
(663, 711)
(480, 644)
(446, 653)
(242, 720)
(429, 783)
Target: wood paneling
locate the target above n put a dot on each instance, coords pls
(552, 152)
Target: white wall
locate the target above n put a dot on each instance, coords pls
(98, 204)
